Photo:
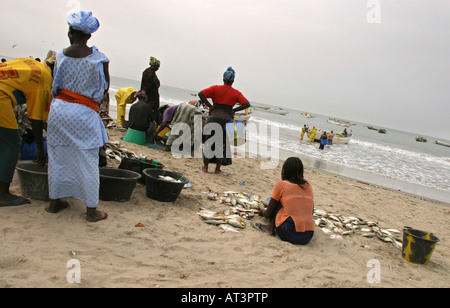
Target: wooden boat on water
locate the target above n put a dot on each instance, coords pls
(445, 144)
(279, 111)
(339, 122)
(337, 139)
(242, 117)
(421, 139)
(342, 140)
(306, 115)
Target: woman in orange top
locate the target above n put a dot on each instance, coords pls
(290, 210)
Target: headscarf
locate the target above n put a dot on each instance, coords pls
(154, 62)
(229, 75)
(51, 57)
(83, 21)
(141, 95)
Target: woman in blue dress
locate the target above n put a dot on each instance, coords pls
(75, 130)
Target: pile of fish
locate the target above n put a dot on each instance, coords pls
(242, 206)
(226, 220)
(114, 151)
(169, 179)
(339, 225)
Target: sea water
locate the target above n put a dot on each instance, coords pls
(394, 160)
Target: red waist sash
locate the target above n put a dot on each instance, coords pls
(76, 98)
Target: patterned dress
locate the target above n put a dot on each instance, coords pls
(76, 132)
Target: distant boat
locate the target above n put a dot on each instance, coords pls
(382, 131)
(421, 139)
(306, 115)
(372, 128)
(442, 143)
(280, 111)
(339, 122)
(242, 117)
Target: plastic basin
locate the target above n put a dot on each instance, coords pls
(116, 184)
(33, 180)
(161, 190)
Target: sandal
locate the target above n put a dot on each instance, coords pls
(61, 206)
(102, 216)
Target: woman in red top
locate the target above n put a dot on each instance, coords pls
(221, 112)
(290, 210)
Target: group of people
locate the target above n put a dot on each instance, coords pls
(324, 138)
(65, 92)
(145, 118)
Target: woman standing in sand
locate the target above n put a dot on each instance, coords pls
(150, 84)
(224, 97)
(290, 210)
(75, 130)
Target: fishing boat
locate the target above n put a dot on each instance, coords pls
(306, 115)
(279, 111)
(242, 117)
(339, 122)
(382, 131)
(421, 139)
(337, 139)
(342, 140)
(442, 143)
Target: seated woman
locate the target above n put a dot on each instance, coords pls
(290, 210)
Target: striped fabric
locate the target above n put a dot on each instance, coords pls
(185, 113)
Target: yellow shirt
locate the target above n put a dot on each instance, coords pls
(123, 97)
(24, 81)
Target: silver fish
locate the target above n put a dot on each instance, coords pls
(236, 222)
(369, 235)
(229, 228)
(214, 222)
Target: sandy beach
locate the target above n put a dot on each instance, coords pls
(174, 248)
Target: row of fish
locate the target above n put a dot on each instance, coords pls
(227, 221)
(339, 225)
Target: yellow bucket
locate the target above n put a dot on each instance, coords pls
(418, 246)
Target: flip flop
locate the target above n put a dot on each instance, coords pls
(257, 227)
(103, 217)
(200, 169)
(17, 202)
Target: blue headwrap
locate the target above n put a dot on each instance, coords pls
(229, 75)
(83, 21)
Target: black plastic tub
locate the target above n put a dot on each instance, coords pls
(162, 190)
(116, 184)
(33, 180)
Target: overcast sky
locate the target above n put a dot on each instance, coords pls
(375, 61)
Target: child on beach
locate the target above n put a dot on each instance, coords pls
(291, 207)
